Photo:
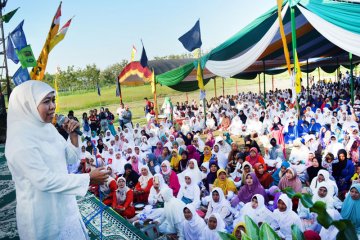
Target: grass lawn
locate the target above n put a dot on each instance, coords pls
(134, 96)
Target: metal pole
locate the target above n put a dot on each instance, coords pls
(259, 85)
(351, 80)
(4, 51)
(236, 86)
(215, 87)
(307, 78)
(272, 83)
(264, 83)
(223, 79)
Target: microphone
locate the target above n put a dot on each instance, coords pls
(60, 121)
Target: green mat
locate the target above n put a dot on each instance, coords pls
(114, 226)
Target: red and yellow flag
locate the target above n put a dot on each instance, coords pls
(133, 52)
(60, 36)
(37, 73)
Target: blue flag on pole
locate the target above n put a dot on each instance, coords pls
(192, 39)
(143, 59)
(20, 76)
(10, 51)
(18, 36)
(98, 89)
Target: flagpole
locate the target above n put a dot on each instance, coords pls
(119, 87)
(202, 77)
(155, 97)
(215, 86)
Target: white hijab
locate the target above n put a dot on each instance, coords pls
(173, 207)
(195, 173)
(192, 228)
(209, 234)
(143, 180)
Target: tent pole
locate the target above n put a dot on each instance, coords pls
(272, 82)
(223, 79)
(293, 40)
(236, 86)
(215, 87)
(259, 85)
(187, 97)
(351, 79)
(319, 74)
(156, 105)
(264, 83)
(307, 78)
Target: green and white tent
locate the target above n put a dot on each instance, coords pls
(326, 31)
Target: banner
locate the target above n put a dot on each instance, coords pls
(10, 51)
(18, 36)
(199, 77)
(6, 18)
(26, 57)
(37, 73)
(20, 76)
(192, 39)
(133, 52)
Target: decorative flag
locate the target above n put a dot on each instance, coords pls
(20, 76)
(6, 18)
(60, 36)
(144, 59)
(192, 39)
(10, 51)
(153, 82)
(133, 52)
(199, 77)
(18, 36)
(37, 73)
(26, 57)
(283, 37)
(298, 74)
(196, 53)
(98, 89)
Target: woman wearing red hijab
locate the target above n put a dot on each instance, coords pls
(264, 177)
(254, 157)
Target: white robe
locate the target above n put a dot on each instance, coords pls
(37, 156)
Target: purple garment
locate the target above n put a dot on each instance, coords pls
(193, 154)
(246, 192)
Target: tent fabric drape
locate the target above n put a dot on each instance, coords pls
(236, 65)
(339, 36)
(175, 76)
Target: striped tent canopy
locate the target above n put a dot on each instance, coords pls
(134, 74)
(327, 31)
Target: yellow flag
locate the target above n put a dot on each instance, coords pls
(283, 37)
(37, 73)
(60, 36)
(298, 74)
(153, 83)
(199, 77)
(133, 52)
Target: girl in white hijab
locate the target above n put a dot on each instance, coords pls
(215, 224)
(235, 126)
(256, 210)
(193, 225)
(193, 170)
(189, 191)
(37, 156)
(219, 204)
(284, 217)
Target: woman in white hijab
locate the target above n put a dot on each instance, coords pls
(323, 176)
(284, 217)
(172, 218)
(193, 225)
(144, 146)
(189, 191)
(256, 210)
(215, 224)
(37, 156)
(235, 126)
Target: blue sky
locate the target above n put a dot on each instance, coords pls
(103, 32)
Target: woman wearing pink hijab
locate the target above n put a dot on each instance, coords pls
(170, 177)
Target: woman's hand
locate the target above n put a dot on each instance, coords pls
(98, 176)
(70, 125)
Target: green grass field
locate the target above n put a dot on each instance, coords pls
(134, 96)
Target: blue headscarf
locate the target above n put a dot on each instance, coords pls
(351, 209)
(276, 176)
